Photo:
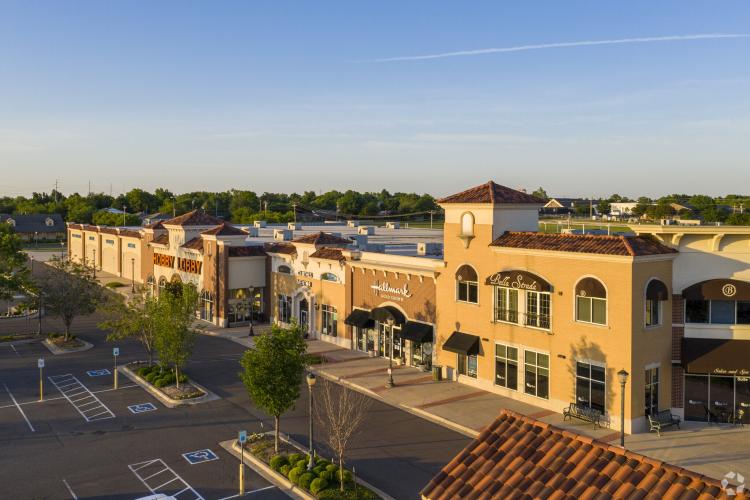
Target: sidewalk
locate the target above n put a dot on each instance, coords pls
(239, 334)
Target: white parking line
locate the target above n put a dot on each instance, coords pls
(35, 401)
(19, 408)
(72, 389)
(72, 493)
(250, 492)
(184, 487)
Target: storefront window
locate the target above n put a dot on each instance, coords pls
(285, 308)
(329, 320)
(590, 385)
(722, 312)
(743, 312)
(467, 365)
(696, 311)
(717, 312)
(207, 306)
(506, 366)
(506, 304)
(652, 391)
(536, 374)
(715, 398)
(537, 309)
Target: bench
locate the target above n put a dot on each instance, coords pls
(662, 419)
(583, 413)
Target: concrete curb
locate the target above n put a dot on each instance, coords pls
(444, 422)
(163, 398)
(58, 351)
(22, 341)
(236, 340)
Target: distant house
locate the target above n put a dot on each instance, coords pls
(562, 206)
(623, 210)
(36, 227)
(155, 217)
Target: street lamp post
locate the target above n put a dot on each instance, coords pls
(310, 384)
(124, 212)
(622, 376)
(390, 383)
(252, 299)
(94, 262)
(132, 274)
(62, 249)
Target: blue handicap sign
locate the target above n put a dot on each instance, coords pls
(243, 437)
(200, 456)
(141, 408)
(116, 351)
(98, 373)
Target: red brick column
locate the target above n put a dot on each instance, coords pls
(678, 332)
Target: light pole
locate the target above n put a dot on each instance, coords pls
(622, 376)
(310, 384)
(390, 383)
(132, 274)
(62, 250)
(252, 299)
(94, 250)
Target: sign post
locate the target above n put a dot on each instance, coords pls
(115, 353)
(40, 364)
(242, 438)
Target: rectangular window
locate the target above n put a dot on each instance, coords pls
(590, 385)
(467, 365)
(652, 391)
(536, 374)
(506, 366)
(653, 312)
(696, 311)
(722, 312)
(330, 320)
(537, 309)
(109, 242)
(131, 245)
(506, 304)
(285, 308)
(591, 310)
(743, 312)
(467, 291)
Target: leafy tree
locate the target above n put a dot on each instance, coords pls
(69, 290)
(603, 207)
(14, 275)
(642, 206)
(272, 371)
(136, 318)
(109, 219)
(662, 210)
(174, 335)
(738, 219)
(540, 193)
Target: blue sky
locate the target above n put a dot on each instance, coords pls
(289, 96)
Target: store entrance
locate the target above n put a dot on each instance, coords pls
(717, 398)
(304, 315)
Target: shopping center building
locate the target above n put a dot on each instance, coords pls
(547, 319)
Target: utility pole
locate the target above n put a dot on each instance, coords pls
(89, 188)
(55, 191)
(124, 212)
(431, 212)
(294, 208)
(265, 209)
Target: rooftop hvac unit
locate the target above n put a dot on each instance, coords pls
(360, 240)
(259, 223)
(392, 225)
(294, 226)
(252, 231)
(424, 248)
(365, 230)
(352, 223)
(282, 234)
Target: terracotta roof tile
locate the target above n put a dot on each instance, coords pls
(284, 248)
(633, 246)
(194, 218)
(130, 233)
(225, 229)
(155, 225)
(328, 254)
(519, 457)
(248, 251)
(162, 239)
(322, 238)
(194, 244)
(491, 193)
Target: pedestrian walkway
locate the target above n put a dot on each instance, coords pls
(159, 478)
(238, 334)
(89, 406)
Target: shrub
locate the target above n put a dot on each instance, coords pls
(160, 382)
(322, 461)
(318, 469)
(305, 480)
(294, 474)
(285, 469)
(302, 463)
(295, 457)
(114, 284)
(347, 476)
(143, 371)
(317, 485)
(277, 461)
(332, 468)
(327, 475)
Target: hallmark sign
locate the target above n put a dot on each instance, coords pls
(385, 290)
(520, 280)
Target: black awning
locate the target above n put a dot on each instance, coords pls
(359, 318)
(462, 343)
(716, 356)
(416, 332)
(383, 314)
(657, 290)
(718, 289)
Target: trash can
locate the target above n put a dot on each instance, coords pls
(437, 373)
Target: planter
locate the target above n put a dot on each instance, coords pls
(163, 397)
(58, 350)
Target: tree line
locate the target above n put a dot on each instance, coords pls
(239, 206)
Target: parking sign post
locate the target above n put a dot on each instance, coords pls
(242, 439)
(40, 364)
(115, 353)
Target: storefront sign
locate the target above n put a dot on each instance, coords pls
(189, 265)
(306, 283)
(520, 280)
(736, 372)
(306, 274)
(385, 290)
(163, 260)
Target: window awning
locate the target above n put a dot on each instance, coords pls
(716, 356)
(462, 343)
(657, 290)
(359, 318)
(416, 332)
(591, 287)
(718, 289)
(383, 314)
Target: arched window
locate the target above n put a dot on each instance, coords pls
(591, 301)
(150, 284)
(162, 283)
(329, 277)
(284, 269)
(207, 306)
(467, 224)
(656, 293)
(467, 287)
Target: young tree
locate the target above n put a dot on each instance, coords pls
(135, 318)
(341, 411)
(273, 370)
(174, 335)
(68, 290)
(13, 271)
(540, 193)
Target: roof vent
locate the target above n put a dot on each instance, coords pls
(259, 223)
(352, 223)
(424, 248)
(294, 226)
(282, 234)
(365, 230)
(392, 225)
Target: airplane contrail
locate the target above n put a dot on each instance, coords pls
(584, 43)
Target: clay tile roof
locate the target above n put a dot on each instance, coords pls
(519, 457)
(225, 229)
(328, 254)
(108, 230)
(194, 244)
(284, 248)
(162, 239)
(491, 193)
(194, 218)
(633, 246)
(249, 251)
(322, 238)
(155, 225)
(130, 233)
(73, 225)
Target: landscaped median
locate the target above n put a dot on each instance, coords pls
(58, 343)
(288, 470)
(162, 384)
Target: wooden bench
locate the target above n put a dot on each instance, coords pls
(662, 419)
(583, 413)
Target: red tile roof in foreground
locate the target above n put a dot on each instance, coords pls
(491, 193)
(194, 218)
(519, 457)
(225, 229)
(328, 254)
(634, 246)
(322, 238)
(249, 251)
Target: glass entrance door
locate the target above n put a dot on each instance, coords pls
(304, 315)
(696, 397)
(722, 398)
(742, 399)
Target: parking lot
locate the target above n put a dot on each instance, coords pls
(87, 440)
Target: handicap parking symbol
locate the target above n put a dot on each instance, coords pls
(98, 373)
(141, 408)
(200, 456)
